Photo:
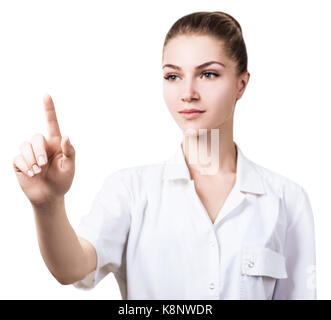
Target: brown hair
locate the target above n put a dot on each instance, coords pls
(219, 25)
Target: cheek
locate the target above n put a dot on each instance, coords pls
(222, 94)
(170, 97)
(220, 107)
(220, 99)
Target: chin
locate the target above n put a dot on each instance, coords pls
(195, 130)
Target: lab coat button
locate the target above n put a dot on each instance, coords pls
(251, 264)
(211, 285)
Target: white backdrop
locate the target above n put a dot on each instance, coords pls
(101, 63)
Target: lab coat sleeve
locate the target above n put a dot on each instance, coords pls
(106, 227)
(299, 252)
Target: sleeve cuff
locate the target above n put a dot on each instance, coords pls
(91, 280)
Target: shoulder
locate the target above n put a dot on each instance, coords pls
(142, 173)
(293, 197)
(136, 179)
(278, 183)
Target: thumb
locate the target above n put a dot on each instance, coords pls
(67, 149)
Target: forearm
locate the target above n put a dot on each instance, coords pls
(58, 243)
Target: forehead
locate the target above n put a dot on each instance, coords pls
(193, 50)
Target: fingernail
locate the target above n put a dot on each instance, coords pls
(41, 160)
(36, 169)
(30, 173)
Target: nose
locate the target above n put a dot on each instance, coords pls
(189, 92)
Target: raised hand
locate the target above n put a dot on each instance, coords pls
(45, 167)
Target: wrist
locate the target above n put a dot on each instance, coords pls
(53, 205)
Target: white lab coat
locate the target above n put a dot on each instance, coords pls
(151, 230)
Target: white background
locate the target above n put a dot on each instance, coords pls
(101, 63)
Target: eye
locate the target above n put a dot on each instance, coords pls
(215, 74)
(170, 76)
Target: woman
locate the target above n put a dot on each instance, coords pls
(208, 223)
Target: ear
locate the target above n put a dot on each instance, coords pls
(243, 81)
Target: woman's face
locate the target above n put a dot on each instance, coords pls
(213, 88)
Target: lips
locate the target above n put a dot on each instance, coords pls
(190, 114)
(191, 111)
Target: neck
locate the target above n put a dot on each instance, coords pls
(210, 152)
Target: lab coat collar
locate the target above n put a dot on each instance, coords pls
(248, 177)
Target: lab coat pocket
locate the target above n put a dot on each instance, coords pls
(260, 269)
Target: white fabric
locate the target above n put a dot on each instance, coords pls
(151, 230)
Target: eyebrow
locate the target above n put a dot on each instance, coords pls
(206, 64)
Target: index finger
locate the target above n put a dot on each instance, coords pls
(52, 124)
